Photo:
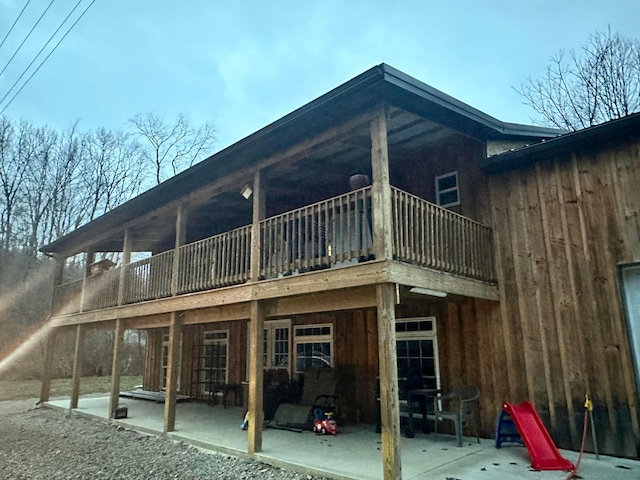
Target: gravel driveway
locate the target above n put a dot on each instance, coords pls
(48, 444)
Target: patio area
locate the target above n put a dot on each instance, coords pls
(355, 453)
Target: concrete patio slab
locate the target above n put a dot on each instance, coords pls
(355, 453)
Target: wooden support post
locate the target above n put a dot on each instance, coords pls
(381, 188)
(47, 367)
(118, 336)
(258, 216)
(181, 236)
(389, 409)
(173, 369)
(59, 271)
(78, 360)
(256, 388)
(89, 257)
(126, 259)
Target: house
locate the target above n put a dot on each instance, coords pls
(381, 226)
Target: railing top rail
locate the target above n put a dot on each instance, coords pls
(320, 203)
(149, 259)
(208, 239)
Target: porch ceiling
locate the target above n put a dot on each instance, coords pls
(322, 173)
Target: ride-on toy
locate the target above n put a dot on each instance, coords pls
(324, 423)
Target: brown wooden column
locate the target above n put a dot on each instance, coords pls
(181, 235)
(47, 367)
(381, 189)
(389, 409)
(258, 216)
(89, 257)
(126, 259)
(173, 369)
(118, 336)
(78, 360)
(256, 388)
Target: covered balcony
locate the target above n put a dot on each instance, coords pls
(332, 233)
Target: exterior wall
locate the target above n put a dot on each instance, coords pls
(416, 173)
(467, 334)
(561, 227)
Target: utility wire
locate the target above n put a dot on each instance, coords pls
(47, 57)
(27, 37)
(38, 54)
(14, 23)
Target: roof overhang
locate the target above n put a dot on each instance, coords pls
(380, 84)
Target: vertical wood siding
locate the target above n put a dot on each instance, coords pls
(561, 228)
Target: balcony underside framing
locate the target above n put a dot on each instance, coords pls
(340, 288)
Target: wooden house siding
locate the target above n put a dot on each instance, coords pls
(561, 226)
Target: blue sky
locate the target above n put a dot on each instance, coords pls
(243, 64)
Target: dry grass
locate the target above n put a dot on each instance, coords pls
(20, 389)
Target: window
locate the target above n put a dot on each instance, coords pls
(313, 346)
(447, 190)
(277, 344)
(213, 359)
(630, 275)
(417, 348)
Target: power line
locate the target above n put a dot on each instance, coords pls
(27, 37)
(38, 54)
(14, 23)
(47, 57)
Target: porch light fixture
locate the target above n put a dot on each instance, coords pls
(246, 192)
(428, 291)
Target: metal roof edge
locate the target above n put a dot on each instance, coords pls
(580, 139)
(409, 83)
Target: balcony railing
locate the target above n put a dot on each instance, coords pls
(215, 261)
(148, 279)
(329, 233)
(431, 236)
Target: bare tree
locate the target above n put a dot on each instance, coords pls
(172, 148)
(16, 154)
(37, 187)
(598, 83)
(112, 171)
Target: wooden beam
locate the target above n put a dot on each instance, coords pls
(210, 298)
(47, 367)
(347, 299)
(237, 311)
(368, 273)
(149, 321)
(389, 409)
(59, 271)
(256, 388)
(414, 276)
(181, 235)
(259, 209)
(381, 188)
(88, 260)
(173, 369)
(118, 336)
(77, 365)
(126, 259)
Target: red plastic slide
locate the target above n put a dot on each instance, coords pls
(544, 454)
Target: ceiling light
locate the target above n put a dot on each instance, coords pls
(428, 291)
(246, 192)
